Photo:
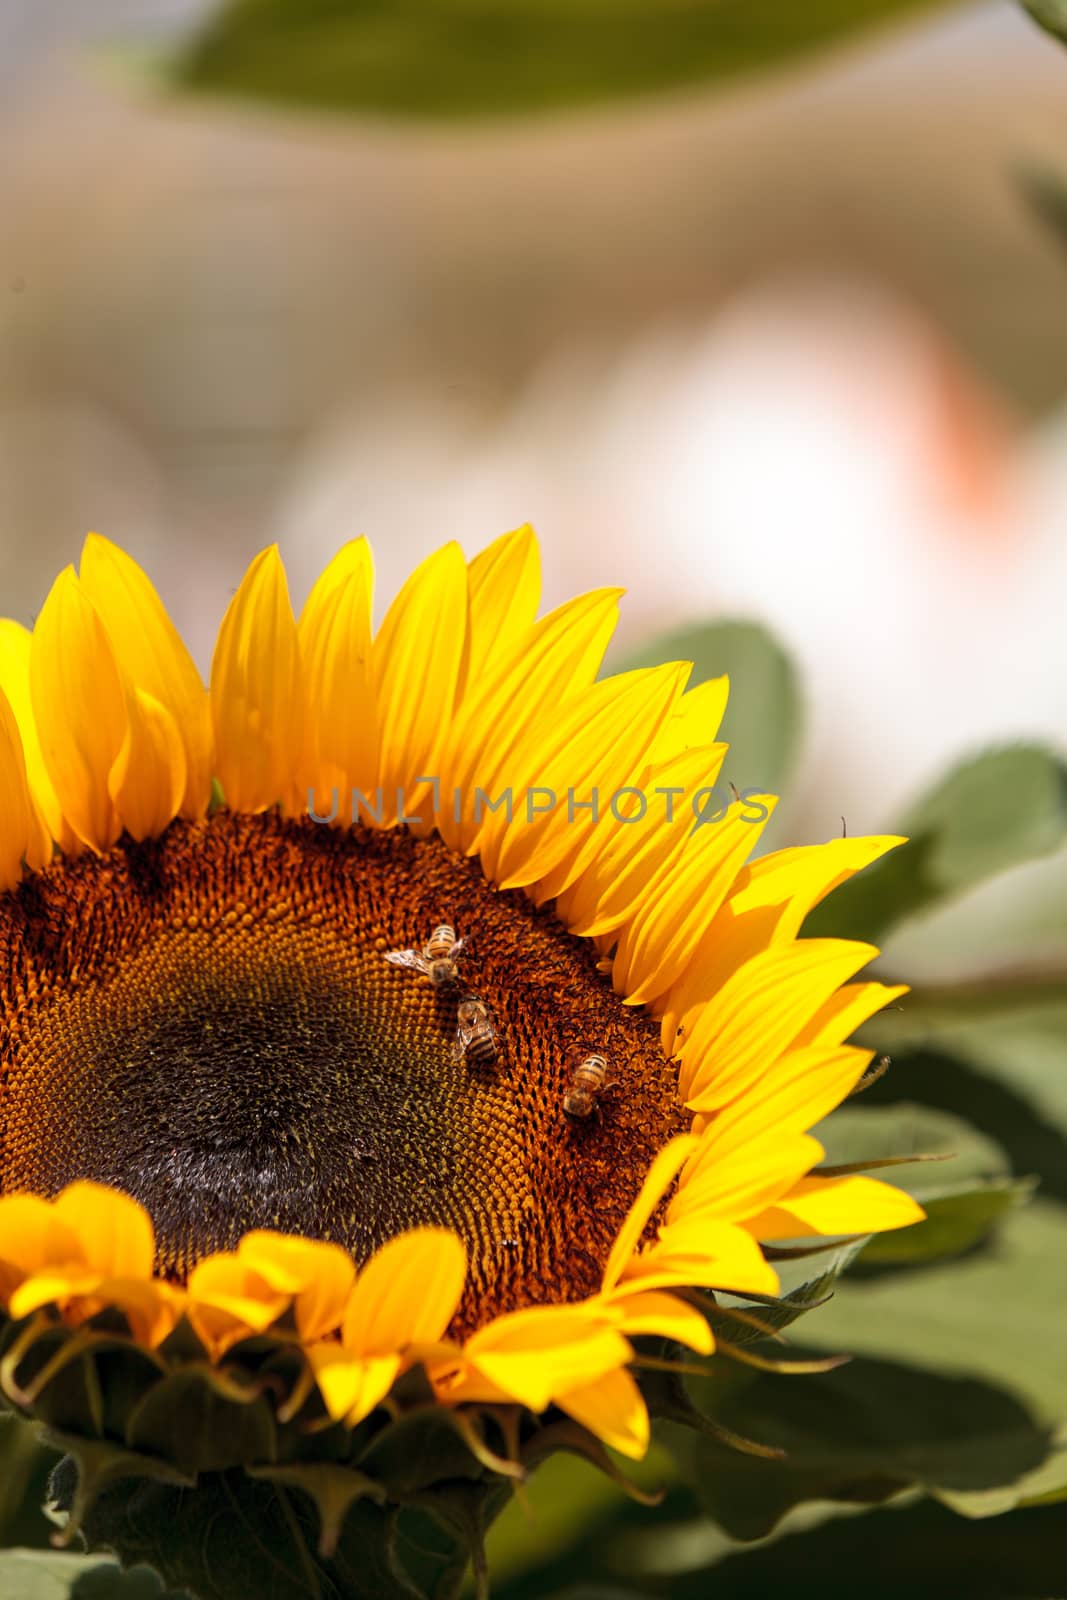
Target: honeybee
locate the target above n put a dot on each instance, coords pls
(876, 1070)
(590, 1080)
(477, 1039)
(436, 959)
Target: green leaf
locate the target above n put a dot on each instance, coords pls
(44, 1575)
(997, 1048)
(764, 714)
(1046, 191)
(994, 1316)
(25, 1465)
(993, 812)
(461, 58)
(955, 1222)
(1050, 14)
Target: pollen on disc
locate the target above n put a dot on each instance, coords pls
(207, 1022)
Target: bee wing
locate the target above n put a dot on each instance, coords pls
(408, 958)
(457, 947)
(460, 1043)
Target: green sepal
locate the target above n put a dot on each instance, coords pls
(332, 1489)
(195, 1419)
(89, 1468)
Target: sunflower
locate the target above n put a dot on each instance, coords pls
(247, 1157)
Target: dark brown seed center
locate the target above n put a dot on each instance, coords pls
(207, 1022)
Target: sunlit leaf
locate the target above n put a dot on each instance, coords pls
(991, 813)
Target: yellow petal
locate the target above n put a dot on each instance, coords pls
(115, 1232)
(758, 1014)
(16, 643)
(543, 670)
(767, 905)
(351, 1386)
(53, 1287)
(32, 1238)
(152, 1308)
(407, 1293)
(16, 806)
(148, 780)
(79, 705)
(742, 1182)
(836, 1206)
(611, 1408)
(420, 657)
(151, 655)
(694, 722)
(597, 742)
(228, 1301)
(341, 715)
(354, 559)
(535, 1355)
(640, 1311)
(695, 1251)
(681, 901)
(660, 1176)
(318, 1274)
(848, 1010)
(505, 590)
(257, 692)
(794, 1093)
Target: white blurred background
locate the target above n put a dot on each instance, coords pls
(795, 352)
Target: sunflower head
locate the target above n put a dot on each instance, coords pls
(396, 1037)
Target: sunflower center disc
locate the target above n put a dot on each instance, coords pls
(207, 1022)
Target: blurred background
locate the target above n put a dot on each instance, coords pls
(790, 347)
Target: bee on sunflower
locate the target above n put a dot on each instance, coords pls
(259, 1216)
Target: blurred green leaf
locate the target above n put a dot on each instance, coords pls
(1046, 192)
(996, 1316)
(955, 1222)
(46, 1575)
(764, 714)
(991, 813)
(918, 1550)
(25, 1465)
(999, 1048)
(860, 1433)
(462, 58)
(1050, 14)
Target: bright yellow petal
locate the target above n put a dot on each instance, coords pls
(406, 1294)
(535, 1355)
(150, 652)
(758, 1014)
(228, 1301)
(318, 1274)
(848, 1010)
(354, 560)
(795, 1092)
(16, 806)
(148, 780)
(152, 1309)
(341, 716)
(767, 905)
(16, 643)
(595, 743)
(543, 670)
(742, 1182)
(32, 1238)
(54, 1287)
(79, 705)
(505, 591)
(661, 1174)
(351, 1386)
(640, 1311)
(836, 1206)
(694, 722)
(697, 1252)
(115, 1232)
(257, 692)
(611, 1408)
(655, 948)
(420, 656)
